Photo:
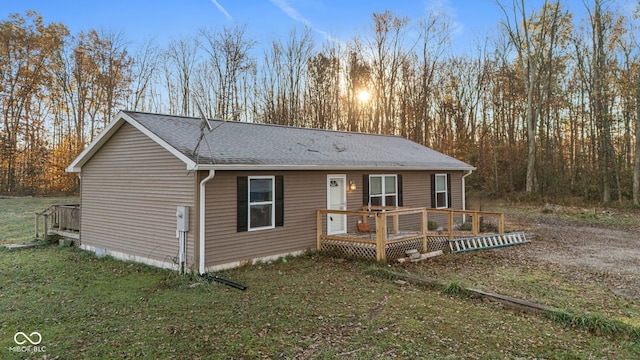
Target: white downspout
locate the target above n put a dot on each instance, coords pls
(212, 173)
(464, 195)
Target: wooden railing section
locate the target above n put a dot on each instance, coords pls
(58, 218)
(384, 234)
(475, 219)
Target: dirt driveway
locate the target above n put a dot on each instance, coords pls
(611, 254)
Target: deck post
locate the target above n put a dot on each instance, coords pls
(318, 229)
(424, 227)
(381, 235)
(450, 224)
(501, 223)
(62, 217)
(475, 224)
(46, 226)
(396, 224)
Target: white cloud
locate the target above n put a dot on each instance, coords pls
(444, 7)
(295, 15)
(291, 12)
(222, 9)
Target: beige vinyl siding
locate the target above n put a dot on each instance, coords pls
(456, 190)
(130, 190)
(456, 198)
(305, 192)
(416, 188)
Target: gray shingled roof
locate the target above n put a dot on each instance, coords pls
(238, 143)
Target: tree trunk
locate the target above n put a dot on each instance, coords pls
(636, 158)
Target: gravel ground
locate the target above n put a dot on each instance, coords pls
(608, 253)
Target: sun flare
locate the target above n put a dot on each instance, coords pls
(364, 96)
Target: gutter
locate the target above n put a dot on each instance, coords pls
(201, 214)
(329, 167)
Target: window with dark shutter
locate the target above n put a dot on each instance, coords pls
(365, 190)
(382, 190)
(279, 201)
(440, 191)
(449, 203)
(242, 203)
(400, 200)
(260, 202)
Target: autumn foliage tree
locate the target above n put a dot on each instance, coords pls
(28, 49)
(546, 104)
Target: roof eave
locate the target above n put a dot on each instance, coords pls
(110, 130)
(281, 167)
(96, 144)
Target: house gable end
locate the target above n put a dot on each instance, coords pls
(111, 129)
(130, 190)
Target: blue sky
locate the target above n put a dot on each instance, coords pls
(164, 20)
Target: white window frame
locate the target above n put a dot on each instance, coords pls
(445, 191)
(384, 194)
(271, 202)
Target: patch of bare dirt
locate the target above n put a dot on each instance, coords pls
(601, 249)
(600, 253)
(604, 254)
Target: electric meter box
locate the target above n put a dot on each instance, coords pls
(182, 218)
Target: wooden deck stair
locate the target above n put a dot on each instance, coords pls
(63, 220)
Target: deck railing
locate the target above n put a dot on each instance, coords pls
(59, 218)
(385, 233)
(477, 217)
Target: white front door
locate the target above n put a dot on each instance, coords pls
(336, 200)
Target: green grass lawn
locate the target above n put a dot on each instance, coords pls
(17, 216)
(308, 307)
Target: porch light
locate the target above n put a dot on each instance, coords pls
(352, 186)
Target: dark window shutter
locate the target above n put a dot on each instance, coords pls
(365, 189)
(243, 203)
(433, 191)
(279, 201)
(449, 190)
(399, 184)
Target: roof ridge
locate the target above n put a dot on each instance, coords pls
(265, 124)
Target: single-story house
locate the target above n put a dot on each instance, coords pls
(219, 194)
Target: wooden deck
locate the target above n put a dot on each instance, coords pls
(370, 237)
(63, 220)
(388, 240)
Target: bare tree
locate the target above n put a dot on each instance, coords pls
(357, 74)
(144, 74)
(434, 40)
(181, 58)
(284, 76)
(323, 89)
(387, 50)
(604, 32)
(231, 63)
(535, 40)
(629, 89)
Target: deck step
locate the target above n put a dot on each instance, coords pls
(487, 241)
